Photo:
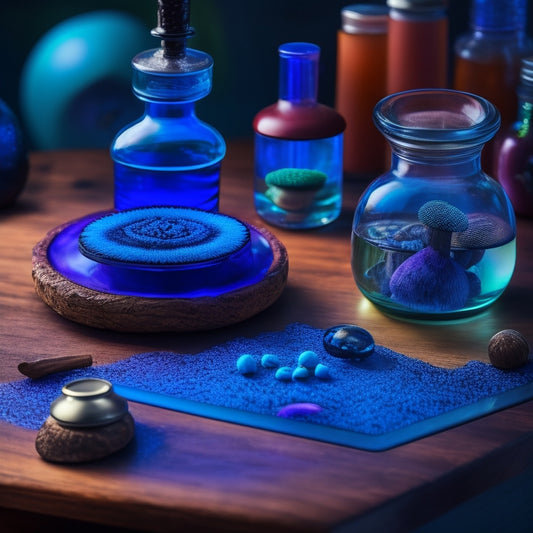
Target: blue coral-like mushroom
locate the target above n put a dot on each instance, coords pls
(294, 189)
(442, 219)
(430, 280)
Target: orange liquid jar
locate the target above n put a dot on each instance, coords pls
(417, 45)
(360, 84)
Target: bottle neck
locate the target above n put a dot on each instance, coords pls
(505, 16)
(173, 110)
(298, 72)
(436, 164)
(417, 16)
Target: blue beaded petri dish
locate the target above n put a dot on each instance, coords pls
(161, 252)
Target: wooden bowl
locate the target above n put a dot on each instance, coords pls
(138, 314)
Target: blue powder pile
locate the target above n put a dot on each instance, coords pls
(162, 236)
(385, 392)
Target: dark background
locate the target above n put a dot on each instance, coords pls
(241, 35)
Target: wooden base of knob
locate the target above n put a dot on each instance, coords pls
(59, 444)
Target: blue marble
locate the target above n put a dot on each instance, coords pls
(284, 373)
(348, 342)
(300, 372)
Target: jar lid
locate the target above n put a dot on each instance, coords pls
(431, 119)
(88, 402)
(364, 18)
(418, 5)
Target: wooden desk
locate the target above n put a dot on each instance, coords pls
(193, 473)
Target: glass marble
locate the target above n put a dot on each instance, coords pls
(348, 342)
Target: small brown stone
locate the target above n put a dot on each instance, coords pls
(508, 349)
(59, 444)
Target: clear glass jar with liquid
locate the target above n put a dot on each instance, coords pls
(434, 238)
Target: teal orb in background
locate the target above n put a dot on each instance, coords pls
(75, 87)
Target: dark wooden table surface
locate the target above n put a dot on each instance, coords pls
(194, 473)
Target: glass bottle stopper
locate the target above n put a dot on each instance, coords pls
(153, 70)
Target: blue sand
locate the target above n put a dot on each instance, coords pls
(374, 404)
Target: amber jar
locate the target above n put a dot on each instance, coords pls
(417, 45)
(360, 84)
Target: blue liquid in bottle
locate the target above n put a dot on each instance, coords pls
(169, 156)
(298, 148)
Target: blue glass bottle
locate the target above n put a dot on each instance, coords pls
(434, 238)
(169, 156)
(298, 147)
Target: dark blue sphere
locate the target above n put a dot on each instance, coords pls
(348, 342)
(13, 157)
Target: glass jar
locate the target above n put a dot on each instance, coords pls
(361, 82)
(417, 46)
(434, 237)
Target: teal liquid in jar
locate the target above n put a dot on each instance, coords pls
(488, 271)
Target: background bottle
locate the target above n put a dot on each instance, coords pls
(360, 84)
(417, 45)
(169, 156)
(514, 157)
(487, 59)
(298, 147)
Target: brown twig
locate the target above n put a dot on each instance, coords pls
(44, 367)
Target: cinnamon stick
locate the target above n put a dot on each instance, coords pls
(44, 367)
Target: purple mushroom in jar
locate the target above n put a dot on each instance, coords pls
(431, 280)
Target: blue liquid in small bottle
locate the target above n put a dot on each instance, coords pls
(299, 207)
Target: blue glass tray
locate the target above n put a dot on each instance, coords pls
(334, 435)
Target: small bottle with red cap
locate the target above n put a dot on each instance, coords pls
(298, 147)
